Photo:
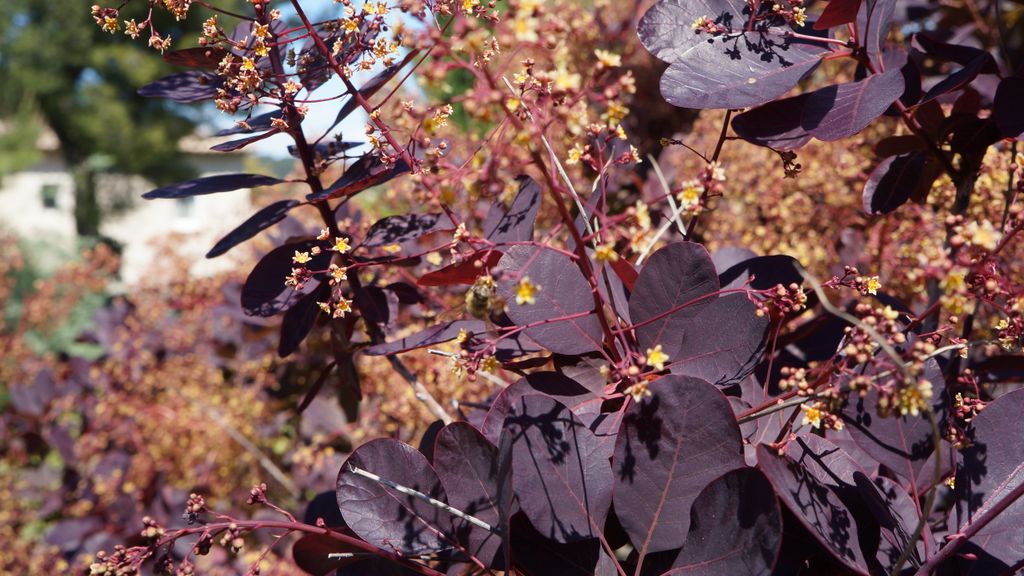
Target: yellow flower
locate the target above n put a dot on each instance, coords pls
(656, 358)
(606, 253)
(301, 257)
(690, 195)
(341, 245)
(337, 274)
(526, 291)
(799, 16)
(291, 87)
(490, 364)
(574, 155)
(462, 337)
(248, 64)
(341, 308)
(606, 59)
(699, 23)
(812, 415)
(873, 285)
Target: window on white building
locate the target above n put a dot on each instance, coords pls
(48, 195)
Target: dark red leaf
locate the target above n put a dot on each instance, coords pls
(563, 481)
(563, 292)
(960, 78)
(842, 110)
(583, 403)
(873, 22)
(762, 273)
(384, 516)
(897, 145)
(209, 57)
(405, 292)
(299, 320)
(258, 123)
(893, 182)
(404, 227)
(991, 467)
(468, 466)
(366, 172)
(464, 272)
(514, 224)
(256, 223)
(809, 480)
(837, 13)
(735, 528)
(775, 124)
(626, 272)
(264, 292)
(184, 87)
(903, 444)
(736, 69)
(434, 335)
(233, 145)
(211, 185)
(313, 391)
(372, 303)
(958, 53)
(669, 447)
(676, 283)
(537, 554)
(1007, 107)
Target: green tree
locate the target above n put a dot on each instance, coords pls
(61, 71)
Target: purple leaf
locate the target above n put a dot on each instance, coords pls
(738, 70)
(329, 149)
(468, 466)
(837, 13)
(670, 446)
(563, 482)
(723, 343)
(366, 172)
(372, 303)
(873, 21)
(897, 515)
(211, 185)
(775, 124)
(583, 403)
(514, 224)
(902, 444)
(1007, 109)
(256, 223)
(536, 554)
(762, 272)
(808, 480)
(679, 278)
(842, 110)
(960, 78)
(958, 53)
(208, 57)
(404, 227)
(258, 123)
(735, 528)
(384, 516)
(299, 320)
(436, 334)
(563, 292)
(735, 69)
(992, 467)
(232, 145)
(184, 87)
(674, 304)
(264, 292)
(895, 181)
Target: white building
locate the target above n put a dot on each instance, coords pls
(39, 204)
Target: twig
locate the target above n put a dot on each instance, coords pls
(558, 164)
(421, 392)
(420, 495)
